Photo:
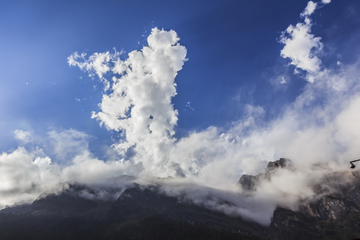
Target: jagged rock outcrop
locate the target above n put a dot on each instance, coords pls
(339, 196)
(281, 163)
(250, 182)
(333, 212)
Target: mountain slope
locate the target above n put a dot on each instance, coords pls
(139, 213)
(79, 211)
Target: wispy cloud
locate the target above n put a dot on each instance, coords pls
(67, 144)
(22, 136)
(301, 46)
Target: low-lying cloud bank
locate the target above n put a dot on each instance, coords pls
(320, 126)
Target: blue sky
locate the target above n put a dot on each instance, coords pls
(232, 51)
(247, 93)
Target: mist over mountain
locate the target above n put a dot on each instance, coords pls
(129, 210)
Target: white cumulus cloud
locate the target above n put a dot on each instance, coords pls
(24, 175)
(139, 104)
(302, 48)
(310, 9)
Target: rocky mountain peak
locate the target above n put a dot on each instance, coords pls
(250, 182)
(281, 163)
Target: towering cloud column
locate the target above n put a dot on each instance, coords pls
(139, 104)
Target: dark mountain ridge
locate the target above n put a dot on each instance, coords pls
(78, 211)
